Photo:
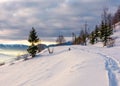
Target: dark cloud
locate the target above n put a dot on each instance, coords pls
(49, 17)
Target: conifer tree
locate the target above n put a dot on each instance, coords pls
(102, 30)
(96, 33)
(106, 27)
(92, 38)
(106, 34)
(33, 38)
(110, 24)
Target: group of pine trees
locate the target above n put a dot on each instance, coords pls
(101, 33)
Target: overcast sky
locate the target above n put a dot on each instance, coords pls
(49, 17)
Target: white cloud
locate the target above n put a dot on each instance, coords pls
(47, 16)
(6, 32)
(25, 12)
(2, 1)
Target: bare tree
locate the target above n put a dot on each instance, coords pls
(116, 17)
(60, 40)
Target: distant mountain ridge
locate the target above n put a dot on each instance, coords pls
(19, 46)
(13, 46)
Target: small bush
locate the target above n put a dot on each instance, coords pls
(2, 63)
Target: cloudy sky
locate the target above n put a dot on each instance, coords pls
(49, 17)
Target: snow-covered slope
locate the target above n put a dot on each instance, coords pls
(81, 66)
(4, 57)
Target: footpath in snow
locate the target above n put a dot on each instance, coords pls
(111, 64)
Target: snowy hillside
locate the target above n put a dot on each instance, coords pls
(4, 57)
(82, 66)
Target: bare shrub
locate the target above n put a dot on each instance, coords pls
(50, 50)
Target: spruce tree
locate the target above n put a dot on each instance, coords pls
(110, 24)
(33, 38)
(106, 26)
(106, 34)
(102, 30)
(96, 33)
(92, 38)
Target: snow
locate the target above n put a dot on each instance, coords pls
(4, 57)
(80, 66)
(63, 68)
